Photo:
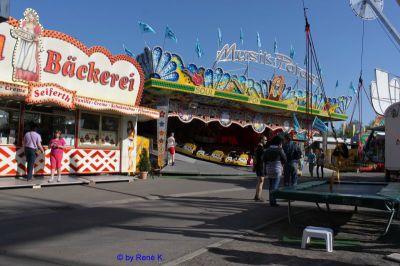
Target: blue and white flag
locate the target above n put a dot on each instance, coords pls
(352, 88)
(301, 136)
(319, 69)
(296, 124)
(292, 52)
(219, 38)
(258, 41)
(275, 46)
(145, 28)
(4, 9)
(169, 34)
(337, 84)
(198, 49)
(241, 36)
(319, 125)
(127, 51)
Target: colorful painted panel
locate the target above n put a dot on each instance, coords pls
(164, 65)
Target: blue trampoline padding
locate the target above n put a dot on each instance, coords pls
(392, 191)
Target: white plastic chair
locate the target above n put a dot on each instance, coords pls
(318, 232)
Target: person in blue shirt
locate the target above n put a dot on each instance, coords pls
(312, 159)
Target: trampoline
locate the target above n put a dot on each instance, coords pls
(374, 195)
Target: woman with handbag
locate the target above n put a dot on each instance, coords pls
(32, 142)
(259, 167)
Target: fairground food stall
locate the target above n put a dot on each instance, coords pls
(220, 116)
(51, 79)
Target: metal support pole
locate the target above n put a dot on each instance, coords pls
(389, 222)
(319, 208)
(325, 142)
(327, 207)
(395, 34)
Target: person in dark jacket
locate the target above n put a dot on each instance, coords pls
(259, 167)
(320, 162)
(311, 159)
(293, 155)
(274, 158)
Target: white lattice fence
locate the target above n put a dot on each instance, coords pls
(85, 161)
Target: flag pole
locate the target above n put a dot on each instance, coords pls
(334, 91)
(164, 37)
(246, 72)
(163, 44)
(145, 43)
(194, 52)
(219, 47)
(218, 42)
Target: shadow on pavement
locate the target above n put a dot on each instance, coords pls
(218, 217)
(267, 258)
(14, 258)
(208, 217)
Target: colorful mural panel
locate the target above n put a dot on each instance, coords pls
(164, 65)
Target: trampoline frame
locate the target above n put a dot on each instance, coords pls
(387, 199)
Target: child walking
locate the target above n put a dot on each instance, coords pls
(57, 145)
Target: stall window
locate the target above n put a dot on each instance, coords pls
(109, 130)
(99, 130)
(89, 132)
(9, 121)
(51, 119)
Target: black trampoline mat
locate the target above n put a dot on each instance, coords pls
(354, 189)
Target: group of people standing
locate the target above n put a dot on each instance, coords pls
(273, 159)
(318, 159)
(33, 143)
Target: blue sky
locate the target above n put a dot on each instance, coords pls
(336, 31)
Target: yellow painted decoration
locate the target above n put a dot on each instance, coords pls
(217, 156)
(204, 91)
(188, 148)
(242, 160)
(202, 154)
(254, 100)
(141, 142)
(276, 88)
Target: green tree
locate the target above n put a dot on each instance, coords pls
(144, 162)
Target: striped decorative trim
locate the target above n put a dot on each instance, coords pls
(173, 86)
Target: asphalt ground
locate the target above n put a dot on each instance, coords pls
(172, 221)
(96, 225)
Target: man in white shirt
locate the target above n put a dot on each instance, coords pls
(171, 147)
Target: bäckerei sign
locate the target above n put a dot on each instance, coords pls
(30, 54)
